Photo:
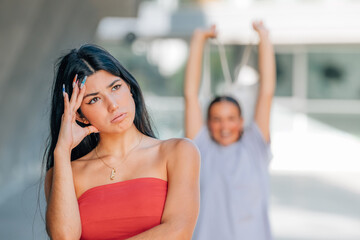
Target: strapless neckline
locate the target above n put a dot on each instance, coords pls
(120, 210)
(119, 183)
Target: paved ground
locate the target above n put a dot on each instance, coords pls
(315, 205)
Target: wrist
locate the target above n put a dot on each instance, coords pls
(61, 150)
(264, 36)
(199, 36)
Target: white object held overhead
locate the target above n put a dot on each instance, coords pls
(247, 76)
(244, 86)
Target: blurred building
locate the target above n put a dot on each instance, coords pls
(316, 115)
(317, 46)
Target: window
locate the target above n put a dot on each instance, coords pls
(284, 73)
(334, 75)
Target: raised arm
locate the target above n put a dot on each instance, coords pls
(62, 213)
(267, 80)
(193, 115)
(183, 197)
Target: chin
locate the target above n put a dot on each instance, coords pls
(126, 124)
(224, 142)
(227, 143)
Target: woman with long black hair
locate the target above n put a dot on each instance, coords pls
(108, 177)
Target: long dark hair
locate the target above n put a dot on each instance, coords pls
(85, 61)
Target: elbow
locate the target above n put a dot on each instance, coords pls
(190, 97)
(189, 94)
(186, 235)
(182, 232)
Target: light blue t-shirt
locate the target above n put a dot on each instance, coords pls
(234, 186)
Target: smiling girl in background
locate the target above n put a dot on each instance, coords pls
(107, 176)
(234, 159)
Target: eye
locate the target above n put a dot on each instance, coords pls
(116, 87)
(94, 100)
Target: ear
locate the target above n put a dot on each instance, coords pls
(241, 121)
(81, 119)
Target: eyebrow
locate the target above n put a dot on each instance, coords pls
(96, 93)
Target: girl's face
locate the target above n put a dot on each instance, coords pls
(108, 104)
(225, 123)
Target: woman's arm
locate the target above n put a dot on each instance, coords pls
(62, 214)
(182, 201)
(267, 80)
(193, 115)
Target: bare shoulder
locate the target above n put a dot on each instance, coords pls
(178, 144)
(184, 149)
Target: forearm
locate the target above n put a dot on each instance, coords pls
(267, 69)
(62, 214)
(194, 66)
(193, 117)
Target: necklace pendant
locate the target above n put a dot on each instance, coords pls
(112, 176)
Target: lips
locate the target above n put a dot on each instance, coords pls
(225, 134)
(118, 118)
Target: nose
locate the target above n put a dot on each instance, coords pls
(112, 105)
(223, 125)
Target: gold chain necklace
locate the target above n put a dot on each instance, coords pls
(113, 171)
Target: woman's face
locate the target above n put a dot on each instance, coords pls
(225, 123)
(108, 104)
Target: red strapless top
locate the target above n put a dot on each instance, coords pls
(123, 209)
